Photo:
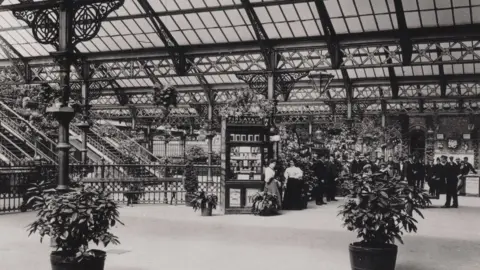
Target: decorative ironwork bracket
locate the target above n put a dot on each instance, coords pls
(284, 83)
(45, 20)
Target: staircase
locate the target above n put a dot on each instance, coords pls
(15, 146)
(118, 137)
(22, 139)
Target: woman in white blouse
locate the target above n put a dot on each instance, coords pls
(271, 184)
(293, 194)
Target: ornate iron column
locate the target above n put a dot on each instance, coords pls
(63, 24)
(85, 124)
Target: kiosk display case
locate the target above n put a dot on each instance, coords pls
(246, 150)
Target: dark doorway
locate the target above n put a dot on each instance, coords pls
(417, 143)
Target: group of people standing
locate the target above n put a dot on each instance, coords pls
(445, 175)
(326, 171)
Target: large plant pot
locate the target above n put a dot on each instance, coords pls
(60, 262)
(188, 198)
(373, 258)
(207, 211)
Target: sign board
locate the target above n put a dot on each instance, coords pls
(235, 195)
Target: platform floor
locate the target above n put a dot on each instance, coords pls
(174, 237)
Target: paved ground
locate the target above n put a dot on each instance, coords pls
(169, 237)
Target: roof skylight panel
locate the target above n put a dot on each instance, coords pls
(110, 43)
(180, 38)
(21, 50)
(217, 35)
(462, 16)
(170, 5)
(231, 34)
(132, 7)
(445, 17)
(339, 25)
(195, 21)
(347, 7)
(192, 37)
(184, 4)
(121, 42)
(221, 18)
(100, 44)
(284, 30)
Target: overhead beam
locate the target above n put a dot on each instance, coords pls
(405, 40)
(333, 44)
(363, 82)
(262, 38)
(441, 73)
(177, 53)
(393, 78)
(16, 59)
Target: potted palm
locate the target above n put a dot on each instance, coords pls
(190, 183)
(206, 203)
(74, 219)
(265, 204)
(379, 209)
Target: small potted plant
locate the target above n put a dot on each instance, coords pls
(190, 183)
(74, 219)
(265, 204)
(206, 203)
(379, 209)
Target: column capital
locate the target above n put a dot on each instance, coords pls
(62, 114)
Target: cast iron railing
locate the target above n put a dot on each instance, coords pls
(165, 189)
(118, 138)
(29, 134)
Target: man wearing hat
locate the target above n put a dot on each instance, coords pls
(451, 172)
(355, 167)
(410, 171)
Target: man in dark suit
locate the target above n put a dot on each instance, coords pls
(355, 168)
(452, 171)
(331, 175)
(410, 171)
(465, 168)
(429, 170)
(419, 173)
(320, 171)
(401, 169)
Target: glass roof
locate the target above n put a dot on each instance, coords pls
(198, 24)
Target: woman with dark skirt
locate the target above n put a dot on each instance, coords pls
(272, 185)
(293, 193)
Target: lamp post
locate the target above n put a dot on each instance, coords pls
(63, 24)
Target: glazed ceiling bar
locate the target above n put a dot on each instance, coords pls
(315, 59)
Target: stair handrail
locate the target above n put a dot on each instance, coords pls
(11, 157)
(22, 135)
(14, 145)
(98, 145)
(140, 149)
(37, 131)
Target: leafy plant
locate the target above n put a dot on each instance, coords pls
(190, 178)
(380, 209)
(165, 96)
(196, 154)
(74, 219)
(202, 201)
(265, 204)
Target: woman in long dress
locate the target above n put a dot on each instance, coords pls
(271, 184)
(293, 194)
